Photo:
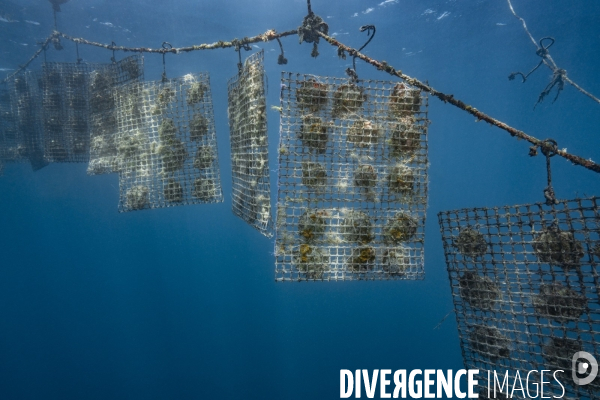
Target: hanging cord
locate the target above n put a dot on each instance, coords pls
(363, 28)
(166, 46)
(238, 46)
(281, 60)
(542, 52)
(311, 27)
(549, 148)
(559, 76)
(113, 46)
(352, 71)
(77, 51)
(56, 38)
(438, 326)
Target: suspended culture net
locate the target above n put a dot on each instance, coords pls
(9, 135)
(103, 84)
(525, 285)
(26, 104)
(352, 180)
(249, 145)
(65, 110)
(166, 144)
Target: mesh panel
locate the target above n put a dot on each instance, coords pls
(9, 134)
(249, 146)
(26, 104)
(65, 97)
(352, 180)
(525, 287)
(103, 114)
(166, 144)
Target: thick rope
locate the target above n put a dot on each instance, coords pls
(380, 65)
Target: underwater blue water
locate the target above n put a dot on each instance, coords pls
(181, 303)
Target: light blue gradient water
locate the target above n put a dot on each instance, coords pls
(181, 303)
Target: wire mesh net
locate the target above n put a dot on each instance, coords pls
(525, 287)
(103, 113)
(65, 95)
(352, 180)
(26, 104)
(9, 134)
(249, 146)
(166, 144)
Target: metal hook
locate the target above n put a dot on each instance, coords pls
(281, 59)
(77, 51)
(166, 46)
(543, 51)
(238, 47)
(549, 148)
(113, 59)
(363, 28)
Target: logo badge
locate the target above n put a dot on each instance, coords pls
(581, 367)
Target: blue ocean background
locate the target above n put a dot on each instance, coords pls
(181, 303)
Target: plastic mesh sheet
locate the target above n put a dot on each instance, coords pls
(166, 144)
(9, 134)
(525, 285)
(26, 103)
(103, 112)
(352, 180)
(249, 146)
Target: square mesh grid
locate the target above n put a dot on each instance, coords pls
(26, 104)
(525, 287)
(9, 134)
(352, 180)
(249, 146)
(65, 97)
(166, 144)
(103, 113)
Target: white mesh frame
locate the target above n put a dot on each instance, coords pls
(156, 171)
(103, 114)
(373, 147)
(251, 187)
(538, 298)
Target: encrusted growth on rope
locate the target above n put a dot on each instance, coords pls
(312, 29)
(309, 31)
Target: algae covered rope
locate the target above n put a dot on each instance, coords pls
(448, 98)
(265, 37)
(272, 35)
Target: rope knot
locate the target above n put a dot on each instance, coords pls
(309, 31)
(549, 147)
